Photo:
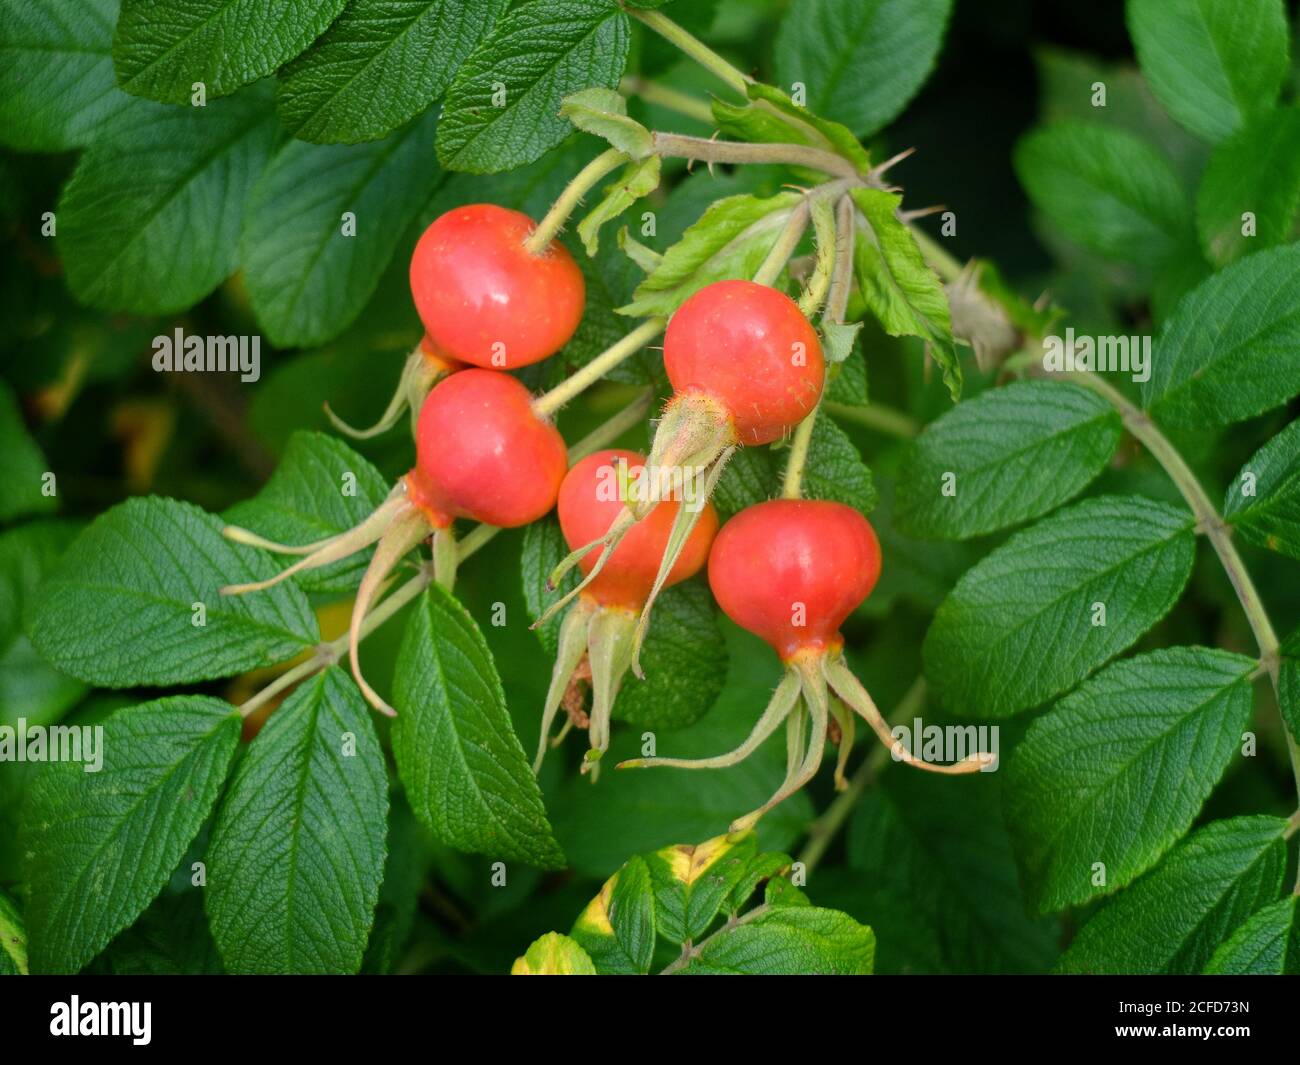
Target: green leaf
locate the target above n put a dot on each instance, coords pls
(379, 65)
(1266, 945)
(320, 488)
(637, 180)
(617, 929)
(1231, 349)
(692, 884)
(860, 60)
(1105, 189)
(464, 770)
(1289, 683)
(502, 110)
(1257, 170)
(149, 221)
(24, 468)
(1006, 456)
(122, 607)
(1214, 64)
(848, 383)
(772, 117)
(13, 939)
(603, 112)
(835, 469)
(56, 73)
(1270, 515)
(899, 286)
(838, 340)
(685, 656)
(554, 954)
(731, 239)
(99, 846)
(1024, 624)
(309, 273)
(1163, 725)
(297, 852)
(789, 941)
(1173, 918)
(29, 687)
(163, 47)
(931, 862)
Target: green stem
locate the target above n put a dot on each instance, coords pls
(678, 145)
(548, 403)
(671, 99)
(693, 47)
(792, 485)
(786, 243)
(1216, 530)
(945, 264)
(882, 419)
(824, 829)
(837, 300)
(569, 199)
(692, 951)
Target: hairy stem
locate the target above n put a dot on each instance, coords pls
(786, 243)
(693, 47)
(680, 146)
(1216, 530)
(824, 829)
(792, 484)
(837, 300)
(569, 199)
(548, 403)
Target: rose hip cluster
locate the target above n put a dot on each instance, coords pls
(745, 367)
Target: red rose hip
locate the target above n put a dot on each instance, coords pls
(484, 298)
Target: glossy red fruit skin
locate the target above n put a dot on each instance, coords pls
(482, 454)
(774, 555)
(475, 286)
(587, 507)
(738, 342)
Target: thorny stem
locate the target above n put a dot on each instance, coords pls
(693, 47)
(662, 96)
(680, 146)
(692, 951)
(329, 653)
(1216, 530)
(548, 403)
(569, 199)
(823, 830)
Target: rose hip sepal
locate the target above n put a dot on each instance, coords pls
(791, 571)
(481, 454)
(424, 368)
(598, 634)
(746, 367)
(484, 298)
